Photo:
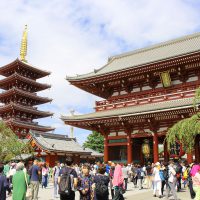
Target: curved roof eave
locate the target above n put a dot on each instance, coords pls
(159, 52)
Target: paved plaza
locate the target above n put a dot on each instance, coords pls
(132, 193)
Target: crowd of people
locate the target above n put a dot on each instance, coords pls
(97, 181)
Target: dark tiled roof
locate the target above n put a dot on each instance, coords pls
(166, 50)
(58, 143)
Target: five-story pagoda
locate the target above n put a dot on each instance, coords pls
(19, 96)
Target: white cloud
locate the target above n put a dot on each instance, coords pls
(74, 37)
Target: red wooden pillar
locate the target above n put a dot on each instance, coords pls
(105, 148)
(166, 154)
(129, 149)
(155, 148)
(189, 158)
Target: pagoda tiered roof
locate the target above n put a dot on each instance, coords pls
(24, 109)
(23, 94)
(17, 78)
(29, 125)
(20, 66)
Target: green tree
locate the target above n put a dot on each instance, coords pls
(95, 141)
(10, 145)
(186, 130)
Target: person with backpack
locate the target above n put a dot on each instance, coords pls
(171, 181)
(178, 175)
(86, 183)
(101, 184)
(164, 176)
(67, 181)
(140, 176)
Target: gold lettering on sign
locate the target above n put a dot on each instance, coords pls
(165, 78)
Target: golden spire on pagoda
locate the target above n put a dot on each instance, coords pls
(23, 49)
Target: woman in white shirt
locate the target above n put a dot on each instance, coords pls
(157, 180)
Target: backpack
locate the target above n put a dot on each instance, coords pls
(65, 182)
(166, 174)
(185, 174)
(101, 189)
(161, 173)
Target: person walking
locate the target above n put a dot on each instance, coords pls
(112, 169)
(134, 175)
(178, 170)
(56, 171)
(190, 183)
(45, 172)
(86, 183)
(171, 181)
(140, 176)
(157, 180)
(149, 175)
(195, 173)
(118, 183)
(34, 180)
(125, 172)
(101, 184)
(64, 172)
(3, 184)
(20, 181)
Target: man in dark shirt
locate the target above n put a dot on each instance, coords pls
(68, 169)
(34, 173)
(3, 184)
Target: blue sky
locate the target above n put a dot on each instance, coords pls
(69, 37)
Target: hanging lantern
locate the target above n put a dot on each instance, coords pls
(146, 148)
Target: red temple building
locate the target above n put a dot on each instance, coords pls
(145, 92)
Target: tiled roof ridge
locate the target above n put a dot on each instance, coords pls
(155, 46)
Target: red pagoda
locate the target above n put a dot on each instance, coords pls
(19, 96)
(146, 91)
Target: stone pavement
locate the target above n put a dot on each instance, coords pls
(131, 194)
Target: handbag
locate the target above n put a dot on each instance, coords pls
(28, 191)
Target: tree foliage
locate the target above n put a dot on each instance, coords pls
(10, 145)
(95, 141)
(186, 130)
